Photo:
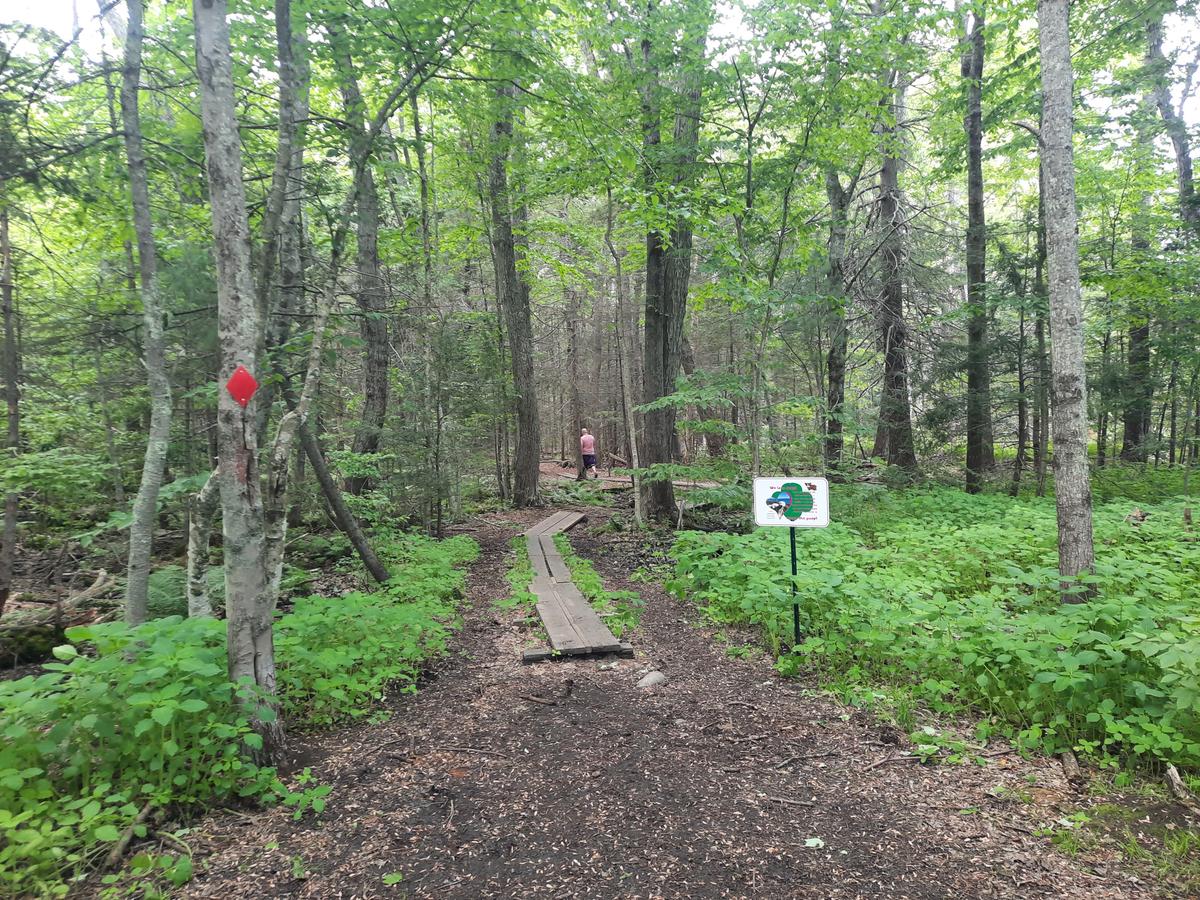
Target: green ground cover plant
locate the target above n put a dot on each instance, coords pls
(621, 610)
(130, 717)
(953, 600)
(519, 577)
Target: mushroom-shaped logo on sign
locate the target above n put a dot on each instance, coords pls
(791, 501)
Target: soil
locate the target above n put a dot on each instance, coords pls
(564, 779)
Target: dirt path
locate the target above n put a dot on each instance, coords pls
(724, 782)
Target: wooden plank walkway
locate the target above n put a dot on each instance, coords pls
(571, 624)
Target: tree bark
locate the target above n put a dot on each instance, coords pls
(895, 412)
(626, 332)
(1072, 487)
(979, 430)
(668, 262)
(249, 606)
(200, 522)
(145, 506)
(371, 298)
(835, 287)
(12, 396)
(513, 298)
(572, 323)
(1041, 409)
(1189, 205)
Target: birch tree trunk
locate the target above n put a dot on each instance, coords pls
(248, 602)
(513, 298)
(1189, 206)
(979, 431)
(145, 506)
(1072, 487)
(200, 521)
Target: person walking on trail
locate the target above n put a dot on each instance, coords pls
(587, 449)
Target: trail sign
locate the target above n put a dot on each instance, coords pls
(798, 501)
(791, 502)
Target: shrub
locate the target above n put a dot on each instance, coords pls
(149, 718)
(955, 599)
(337, 656)
(147, 715)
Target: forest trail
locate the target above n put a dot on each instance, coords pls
(726, 781)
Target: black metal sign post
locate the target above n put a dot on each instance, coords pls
(795, 604)
(795, 501)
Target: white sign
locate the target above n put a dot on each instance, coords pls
(796, 501)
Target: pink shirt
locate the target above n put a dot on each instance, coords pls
(587, 444)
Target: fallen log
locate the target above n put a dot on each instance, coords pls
(29, 635)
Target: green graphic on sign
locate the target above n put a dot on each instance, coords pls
(791, 501)
(802, 501)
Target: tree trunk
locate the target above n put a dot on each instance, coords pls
(895, 413)
(1022, 408)
(626, 336)
(979, 426)
(12, 396)
(572, 323)
(203, 508)
(1189, 205)
(247, 597)
(658, 496)
(345, 519)
(371, 297)
(669, 262)
(1139, 390)
(512, 292)
(1072, 487)
(835, 287)
(1041, 409)
(145, 507)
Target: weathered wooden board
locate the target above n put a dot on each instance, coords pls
(572, 626)
(569, 521)
(554, 561)
(559, 628)
(589, 626)
(549, 523)
(537, 556)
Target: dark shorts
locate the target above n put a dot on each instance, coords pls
(589, 460)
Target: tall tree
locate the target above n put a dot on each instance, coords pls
(371, 297)
(1177, 129)
(839, 198)
(1072, 485)
(979, 430)
(894, 439)
(512, 291)
(12, 396)
(249, 606)
(145, 507)
(668, 255)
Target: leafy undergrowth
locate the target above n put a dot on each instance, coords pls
(519, 578)
(145, 718)
(621, 610)
(951, 602)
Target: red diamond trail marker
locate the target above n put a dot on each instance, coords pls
(241, 386)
